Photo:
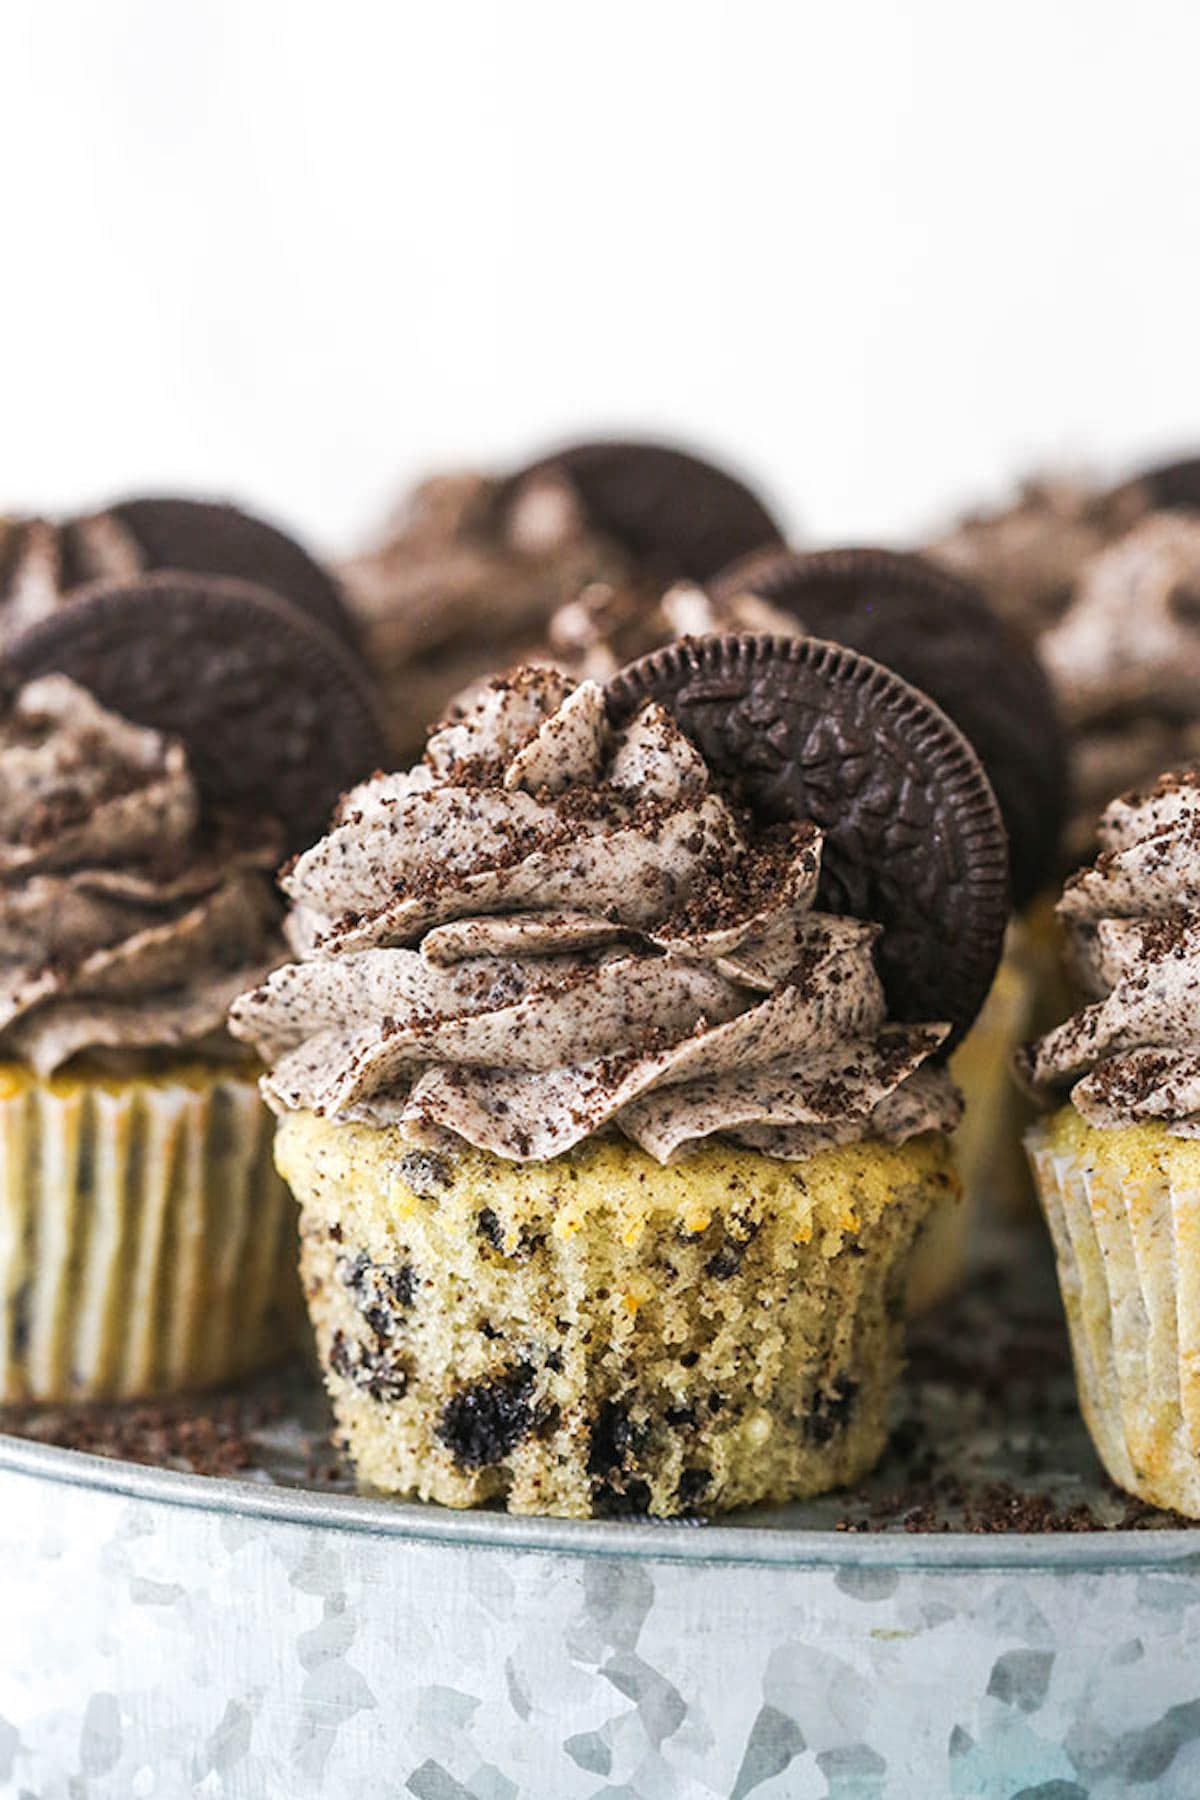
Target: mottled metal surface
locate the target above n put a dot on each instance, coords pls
(175, 1635)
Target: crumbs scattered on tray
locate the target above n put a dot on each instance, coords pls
(212, 1435)
(987, 1438)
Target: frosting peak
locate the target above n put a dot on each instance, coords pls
(550, 927)
(118, 929)
(1133, 923)
(1131, 637)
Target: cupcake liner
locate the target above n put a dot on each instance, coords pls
(598, 1334)
(146, 1242)
(1123, 1207)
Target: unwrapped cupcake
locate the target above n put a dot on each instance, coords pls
(609, 1148)
(1118, 1163)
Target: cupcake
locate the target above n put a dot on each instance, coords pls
(1117, 1163)
(474, 567)
(609, 1077)
(149, 1246)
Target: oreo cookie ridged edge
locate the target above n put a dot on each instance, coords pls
(937, 632)
(214, 537)
(277, 716)
(798, 728)
(674, 511)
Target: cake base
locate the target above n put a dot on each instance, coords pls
(601, 1335)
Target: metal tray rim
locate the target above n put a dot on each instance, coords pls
(668, 1541)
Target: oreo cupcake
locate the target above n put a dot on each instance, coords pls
(609, 1077)
(1117, 1163)
(149, 1243)
(475, 567)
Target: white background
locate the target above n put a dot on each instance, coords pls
(879, 255)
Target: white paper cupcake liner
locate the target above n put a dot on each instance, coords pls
(146, 1241)
(1127, 1241)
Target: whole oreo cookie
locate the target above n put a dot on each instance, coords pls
(801, 729)
(937, 631)
(674, 512)
(275, 713)
(212, 537)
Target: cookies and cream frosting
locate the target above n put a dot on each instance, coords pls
(469, 574)
(599, 631)
(1027, 556)
(1125, 662)
(1133, 923)
(550, 928)
(120, 927)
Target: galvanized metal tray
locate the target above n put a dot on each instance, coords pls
(173, 1634)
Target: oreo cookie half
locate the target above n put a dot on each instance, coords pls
(800, 729)
(211, 537)
(276, 714)
(938, 632)
(674, 512)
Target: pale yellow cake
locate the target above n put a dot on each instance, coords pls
(602, 1334)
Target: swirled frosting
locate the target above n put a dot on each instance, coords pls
(549, 929)
(1027, 556)
(120, 927)
(598, 632)
(1125, 662)
(1133, 925)
(466, 579)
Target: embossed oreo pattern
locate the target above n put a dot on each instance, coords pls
(937, 632)
(799, 728)
(674, 512)
(275, 713)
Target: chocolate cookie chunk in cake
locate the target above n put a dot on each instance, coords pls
(609, 1141)
(475, 566)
